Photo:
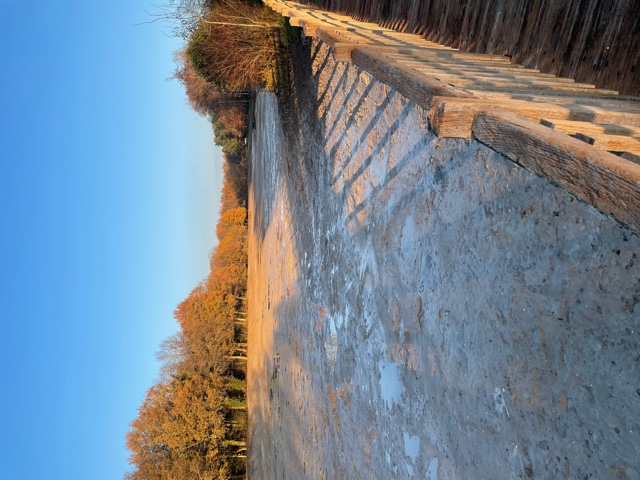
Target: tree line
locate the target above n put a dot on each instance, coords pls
(192, 423)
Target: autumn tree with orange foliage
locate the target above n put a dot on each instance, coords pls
(192, 424)
(180, 429)
(230, 220)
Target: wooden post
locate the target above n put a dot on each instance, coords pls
(309, 28)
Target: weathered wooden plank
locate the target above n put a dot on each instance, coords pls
(462, 67)
(588, 128)
(466, 77)
(379, 38)
(365, 39)
(615, 143)
(350, 22)
(332, 23)
(426, 49)
(296, 21)
(313, 15)
(483, 70)
(342, 51)
(330, 37)
(452, 117)
(493, 72)
(503, 81)
(427, 52)
(407, 37)
(412, 84)
(562, 90)
(591, 97)
(454, 62)
(309, 29)
(614, 138)
(601, 179)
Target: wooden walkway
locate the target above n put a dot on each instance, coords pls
(563, 130)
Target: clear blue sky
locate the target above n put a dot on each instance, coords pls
(109, 198)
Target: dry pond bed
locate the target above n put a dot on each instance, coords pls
(424, 308)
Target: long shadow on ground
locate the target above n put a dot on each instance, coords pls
(423, 308)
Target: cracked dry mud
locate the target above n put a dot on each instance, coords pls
(424, 308)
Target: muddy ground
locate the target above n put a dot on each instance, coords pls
(424, 308)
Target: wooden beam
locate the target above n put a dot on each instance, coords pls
(427, 52)
(309, 29)
(588, 128)
(609, 183)
(452, 117)
(466, 68)
(592, 97)
(374, 39)
(616, 143)
(500, 81)
(342, 52)
(412, 84)
(486, 72)
(455, 62)
(613, 138)
(403, 35)
(330, 37)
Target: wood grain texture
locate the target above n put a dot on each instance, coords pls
(615, 143)
(383, 37)
(426, 51)
(296, 21)
(503, 81)
(330, 37)
(569, 127)
(601, 179)
(412, 84)
(605, 141)
(452, 117)
(474, 69)
(309, 29)
(595, 97)
(610, 137)
(342, 51)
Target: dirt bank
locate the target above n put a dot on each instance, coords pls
(423, 308)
